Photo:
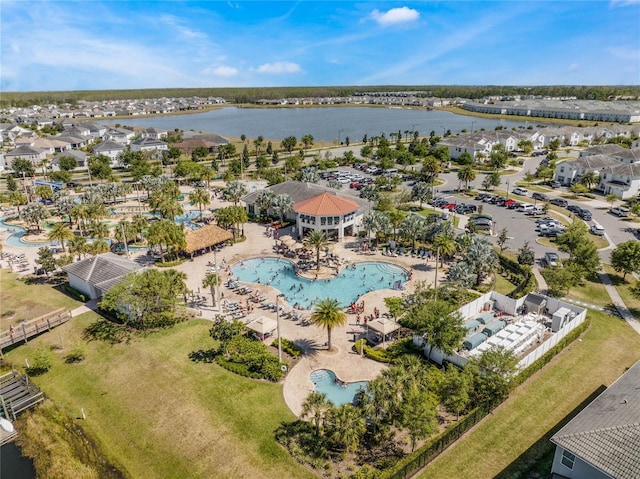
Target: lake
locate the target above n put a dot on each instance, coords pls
(324, 124)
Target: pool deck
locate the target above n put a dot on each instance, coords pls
(347, 365)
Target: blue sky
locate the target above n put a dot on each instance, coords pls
(83, 45)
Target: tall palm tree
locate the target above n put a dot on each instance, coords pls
(445, 245)
(79, 214)
(264, 200)
(346, 426)
(98, 230)
(60, 232)
(77, 245)
(211, 280)
(200, 198)
(412, 228)
(589, 179)
(316, 240)
(481, 257)
(283, 204)
(139, 224)
(98, 247)
(234, 191)
(467, 174)
(328, 314)
(396, 217)
(316, 407)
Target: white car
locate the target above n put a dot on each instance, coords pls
(597, 230)
(520, 191)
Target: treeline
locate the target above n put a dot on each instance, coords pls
(250, 95)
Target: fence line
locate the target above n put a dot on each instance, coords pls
(33, 327)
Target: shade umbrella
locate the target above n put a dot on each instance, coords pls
(263, 325)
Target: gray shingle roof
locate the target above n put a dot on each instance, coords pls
(108, 145)
(606, 433)
(593, 162)
(101, 268)
(607, 149)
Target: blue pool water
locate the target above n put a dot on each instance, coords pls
(16, 239)
(347, 287)
(325, 382)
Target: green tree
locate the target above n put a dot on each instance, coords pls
(464, 159)
(317, 241)
(455, 390)
(498, 156)
(307, 140)
(100, 167)
(526, 254)
(395, 306)
(17, 199)
(33, 214)
(612, 198)
(466, 174)
(200, 198)
(231, 217)
(212, 281)
(67, 163)
(316, 407)
(419, 415)
(167, 233)
(283, 204)
(589, 179)
(12, 184)
(412, 228)
(23, 168)
(625, 258)
(328, 314)
(46, 260)
(60, 232)
(439, 323)
(146, 298)
(345, 427)
(289, 143)
(481, 258)
(77, 245)
(503, 237)
(422, 192)
(264, 200)
(525, 146)
(234, 191)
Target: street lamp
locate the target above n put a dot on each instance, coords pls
(278, 328)
(507, 188)
(339, 132)
(472, 123)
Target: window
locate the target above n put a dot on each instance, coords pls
(323, 221)
(568, 459)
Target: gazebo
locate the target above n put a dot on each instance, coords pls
(384, 328)
(263, 326)
(205, 238)
(332, 214)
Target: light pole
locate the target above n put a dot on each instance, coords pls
(278, 328)
(472, 123)
(339, 132)
(507, 188)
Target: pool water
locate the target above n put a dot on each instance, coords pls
(346, 287)
(16, 238)
(324, 381)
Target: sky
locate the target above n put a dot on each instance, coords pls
(97, 45)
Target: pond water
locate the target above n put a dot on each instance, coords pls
(324, 124)
(346, 287)
(13, 465)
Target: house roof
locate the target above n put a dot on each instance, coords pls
(607, 149)
(325, 204)
(592, 162)
(77, 154)
(24, 150)
(108, 145)
(630, 170)
(103, 270)
(205, 237)
(606, 433)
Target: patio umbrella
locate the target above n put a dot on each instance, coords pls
(263, 325)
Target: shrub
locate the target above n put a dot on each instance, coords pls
(42, 361)
(289, 347)
(169, 264)
(76, 355)
(380, 355)
(75, 294)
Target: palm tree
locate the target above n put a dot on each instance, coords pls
(139, 224)
(466, 174)
(316, 407)
(264, 200)
(98, 247)
(200, 198)
(79, 214)
(283, 204)
(211, 280)
(411, 228)
(445, 245)
(347, 426)
(60, 232)
(396, 217)
(328, 314)
(77, 245)
(234, 191)
(481, 257)
(589, 179)
(98, 230)
(317, 241)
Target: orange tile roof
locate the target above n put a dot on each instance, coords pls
(325, 204)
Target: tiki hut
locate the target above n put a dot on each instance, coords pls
(205, 238)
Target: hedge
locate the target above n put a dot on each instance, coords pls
(380, 355)
(289, 347)
(75, 294)
(523, 276)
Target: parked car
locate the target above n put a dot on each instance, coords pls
(535, 211)
(554, 184)
(551, 259)
(620, 211)
(596, 230)
(482, 196)
(551, 232)
(513, 206)
(539, 196)
(72, 184)
(46, 201)
(585, 214)
(525, 208)
(520, 191)
(574, 208)
(448, 206)
(559, 202)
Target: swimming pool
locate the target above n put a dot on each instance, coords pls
(324, 381)
(16, 238)
(347, 287)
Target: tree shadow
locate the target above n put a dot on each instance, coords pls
(538, 458)
(309, 347)
(105, 330)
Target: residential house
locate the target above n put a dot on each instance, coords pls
(148, 144)
(110, 149)
(35, 155)
(119, 135)
(603, 440)
(622, 180)
(74, 140)
(154, 133)
(571, 170)
(79, 155)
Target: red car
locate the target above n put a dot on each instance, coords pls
(355, 184)
(448, 206)
(509, 202)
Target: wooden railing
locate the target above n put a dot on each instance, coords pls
(33, 327)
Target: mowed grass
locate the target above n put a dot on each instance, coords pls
(505, 438)
(22, 302)
(592, 291)
(155, 413)
(503, 286)
(623, 286)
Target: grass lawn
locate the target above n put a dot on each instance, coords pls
(592, 291)
(515, 437)
(531, 187)
(623, 289)
(503, 286)
(22, 302)
(155, 413)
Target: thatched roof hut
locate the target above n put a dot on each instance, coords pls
(205, 237)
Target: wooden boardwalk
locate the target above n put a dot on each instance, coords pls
(33, 327)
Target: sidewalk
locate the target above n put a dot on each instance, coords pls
(618, 303)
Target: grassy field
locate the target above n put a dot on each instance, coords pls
(155, 413)
(503, 286)
(591, 291)
(515, 437)
(21, 301)
(623, 287)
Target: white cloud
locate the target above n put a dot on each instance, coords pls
(221, 71)
(573, 67)
(395, 16)
(278, 68)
